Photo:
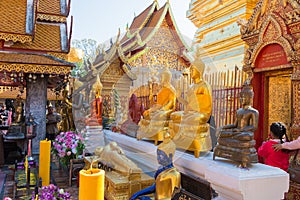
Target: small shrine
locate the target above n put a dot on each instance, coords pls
(272, 64)
(34, 46)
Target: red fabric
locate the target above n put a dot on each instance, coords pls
(273, 158)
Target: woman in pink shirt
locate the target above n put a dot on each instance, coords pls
(271, 157)
(295, 144)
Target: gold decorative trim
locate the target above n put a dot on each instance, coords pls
(53, 18)
(15, 38)
(272, 68)
(43, 69)
(61, 56)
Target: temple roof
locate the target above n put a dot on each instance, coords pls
(150, 25)
(33, 63)
(54, 7)
(48, 37)
(17, 20)
(143, 28)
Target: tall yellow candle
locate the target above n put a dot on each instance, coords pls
(91, 184)
(44, 162)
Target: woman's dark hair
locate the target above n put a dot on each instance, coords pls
(279, 130)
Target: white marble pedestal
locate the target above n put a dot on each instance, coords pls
(258, 182)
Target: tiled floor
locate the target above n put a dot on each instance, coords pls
(59, 177)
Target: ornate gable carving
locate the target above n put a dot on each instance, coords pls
(272, 33)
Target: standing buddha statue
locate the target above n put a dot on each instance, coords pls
(157, 117)
(190, 127)
(96, 105)
(67, 123)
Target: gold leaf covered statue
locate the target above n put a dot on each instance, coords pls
(236, 141)
(157, 117)
(190, 126)
(167, 177)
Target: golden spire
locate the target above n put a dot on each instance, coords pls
(98, 85)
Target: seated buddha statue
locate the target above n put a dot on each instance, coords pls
(167, 177)
(95, 118)
(157, 117)
(190, 127)
(236, 141)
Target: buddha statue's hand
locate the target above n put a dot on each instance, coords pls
(236, 130)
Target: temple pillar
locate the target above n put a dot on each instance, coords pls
(295, 126)
(36, 100)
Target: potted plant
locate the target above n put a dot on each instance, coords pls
(68, 145)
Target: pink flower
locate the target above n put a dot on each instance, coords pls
(69, 153)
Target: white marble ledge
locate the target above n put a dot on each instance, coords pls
(257, 182)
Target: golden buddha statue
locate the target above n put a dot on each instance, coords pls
(167, 177)
(157, 117)
(236, 141)
(190, 127)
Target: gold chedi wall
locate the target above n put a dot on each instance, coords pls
(218, 33)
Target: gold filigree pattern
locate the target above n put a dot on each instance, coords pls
(271, 33)
(296, 112)
(265, 39)
(279, 108)
(44, 69)
(16, 38)
(52, 18)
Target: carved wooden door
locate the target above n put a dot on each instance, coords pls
(279, 100)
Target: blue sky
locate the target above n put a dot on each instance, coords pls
(101, 19)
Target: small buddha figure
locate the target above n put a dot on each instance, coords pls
(236, 141)
(157, 117)
(19, 116)
(191, 130)
(67, 123)
(167, 177)
(96, 105)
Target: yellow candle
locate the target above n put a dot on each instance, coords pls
(44, 162)
(91, 184)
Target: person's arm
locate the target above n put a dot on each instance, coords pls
(288, 145)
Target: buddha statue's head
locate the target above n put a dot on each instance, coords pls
(166, 151)
(246, 94)
(97, 87)
(166, 76)
(197, 67)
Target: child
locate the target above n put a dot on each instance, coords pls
(271, 157)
